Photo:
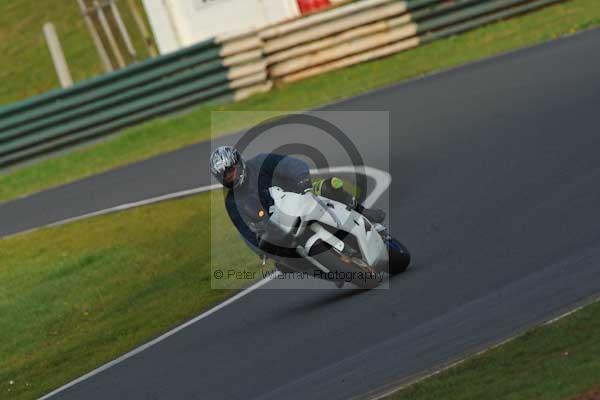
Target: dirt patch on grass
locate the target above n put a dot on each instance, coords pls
(593, 394)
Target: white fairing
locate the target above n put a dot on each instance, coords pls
(292, 214)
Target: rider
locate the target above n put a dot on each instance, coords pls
(248, 183)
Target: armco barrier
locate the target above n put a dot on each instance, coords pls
(235, 67)
(216, 70)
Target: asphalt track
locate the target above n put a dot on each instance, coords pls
(496, 191)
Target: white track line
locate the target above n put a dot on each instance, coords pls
(382, 181)
(162, 337)
(123, 207)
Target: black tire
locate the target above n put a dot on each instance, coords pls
(399, 257)
(323, 253)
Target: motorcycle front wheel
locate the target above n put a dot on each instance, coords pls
(398, 255)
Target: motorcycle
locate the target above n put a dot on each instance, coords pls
(329, 240)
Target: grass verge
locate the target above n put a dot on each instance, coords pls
(77, 296)
(551, 362)
(166, 134)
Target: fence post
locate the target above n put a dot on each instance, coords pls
(58, 57)
(122, 28)
(95, 38)
(109, 34)
(139, 21)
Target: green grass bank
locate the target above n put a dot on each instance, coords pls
(26, 68)
(77, 296)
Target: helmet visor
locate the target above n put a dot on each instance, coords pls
(230, 176)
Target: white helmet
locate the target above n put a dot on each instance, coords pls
(228, 166)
